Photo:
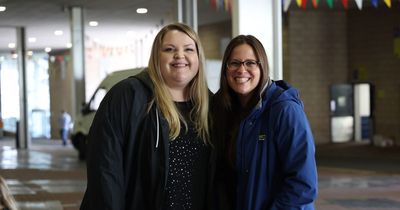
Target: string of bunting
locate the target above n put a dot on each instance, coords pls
(225, 5)
(345, 3)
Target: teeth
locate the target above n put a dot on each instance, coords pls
(241, 79)
(179, 65)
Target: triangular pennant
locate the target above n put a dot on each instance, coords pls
(345, 4)
(359, 4)
(303, 4)
(315, 3)
(330, 3)
(226, 5)
(388, 3)
(375, 3)
(213, 4)
(286, 4)
(299, 2)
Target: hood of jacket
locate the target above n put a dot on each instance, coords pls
(144, 77)
(279, 91)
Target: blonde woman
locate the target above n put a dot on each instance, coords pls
(7, 201)
(149, 142)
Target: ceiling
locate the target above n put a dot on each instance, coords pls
(116, 18)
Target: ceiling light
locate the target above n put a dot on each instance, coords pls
(93, 23)
(130, 33)
(58, 32)
(11, 45)
(141, 10)
(29, 53)
(68, 45)
(32, 39)
(2, 8)
(47, 49)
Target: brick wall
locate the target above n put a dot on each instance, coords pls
(315, 57)
(371, 36)
(211, 36)
(329, 46)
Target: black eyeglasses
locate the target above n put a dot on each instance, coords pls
(248, 64)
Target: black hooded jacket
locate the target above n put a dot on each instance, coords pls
(127, 165)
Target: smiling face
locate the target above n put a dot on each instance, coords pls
(179, 60)
(243, 80)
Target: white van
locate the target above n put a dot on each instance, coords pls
(84, 120)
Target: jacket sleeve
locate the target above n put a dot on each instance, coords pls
(296, 152)
(105, 176)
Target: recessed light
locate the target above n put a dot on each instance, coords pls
(29, 53)
(68, 45)
(2, 8)
(47, 49)
(32, 39)
(58, 32)
(141, 10)
(93, 23)
(11, 45)
(130, 33)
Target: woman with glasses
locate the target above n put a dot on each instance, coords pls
(263, 138)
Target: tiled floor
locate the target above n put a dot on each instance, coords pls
(48, 176)
(353, 177)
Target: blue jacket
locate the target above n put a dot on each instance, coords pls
(275, 154)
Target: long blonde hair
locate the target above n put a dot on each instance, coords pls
(198, 90)
(6, 199)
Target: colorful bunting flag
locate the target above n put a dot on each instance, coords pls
(302, 3)
(213, 4)
(330, 3)
(315, 3)
(375, 3)
(388, 3)
(359, 4)
(286, 4)
(345, 4)
(227, 5)
(219, 4)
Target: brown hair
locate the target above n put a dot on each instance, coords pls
(227, 103)
(226, 92)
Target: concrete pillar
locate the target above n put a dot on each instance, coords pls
(24, 138)
(187, 13)
(262, 19)
(78, 59)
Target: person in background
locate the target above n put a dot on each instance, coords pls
(266, 151)
(7, 201)
(149, 145)
(64, 122)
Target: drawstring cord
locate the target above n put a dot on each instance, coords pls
(158, 129)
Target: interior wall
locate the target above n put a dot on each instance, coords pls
(213, 37)
(371, 34)
(315, 58)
